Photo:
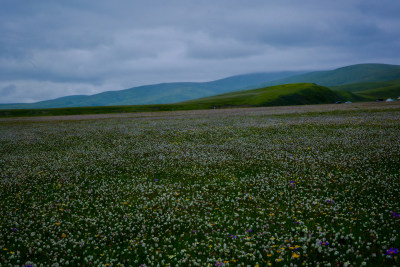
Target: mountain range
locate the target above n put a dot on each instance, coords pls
(356, 83)
(162, 93)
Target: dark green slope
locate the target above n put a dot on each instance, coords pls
(373, 90)
(279, 95)
(349, 96)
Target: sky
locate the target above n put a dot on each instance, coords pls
(54, 48)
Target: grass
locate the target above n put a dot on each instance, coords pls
(241, 186)
(86, 110)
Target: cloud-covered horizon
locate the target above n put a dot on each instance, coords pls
(51, 49)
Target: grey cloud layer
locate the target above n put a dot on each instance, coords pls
(55, 48)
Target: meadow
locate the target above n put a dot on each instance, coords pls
(240, 187)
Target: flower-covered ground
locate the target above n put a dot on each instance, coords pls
(229, 189)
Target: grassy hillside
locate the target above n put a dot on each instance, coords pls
(279, 95)
(346, 75)
(349, 96)
(373, 90)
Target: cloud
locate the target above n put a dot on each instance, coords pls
(28, 91)
(7, 90)
(56, 48)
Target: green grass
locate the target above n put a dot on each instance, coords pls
(87, 110)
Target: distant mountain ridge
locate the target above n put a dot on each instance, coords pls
(164, 93)
(158, 93)
(360, 73)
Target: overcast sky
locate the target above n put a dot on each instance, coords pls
(53, 48)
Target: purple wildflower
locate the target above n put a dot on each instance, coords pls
(324, 243)
(395, 215)
(392, 251)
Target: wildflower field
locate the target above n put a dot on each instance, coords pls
(234, 188)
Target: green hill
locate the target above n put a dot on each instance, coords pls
(359, 73)
(279, 95)
(373, 90)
